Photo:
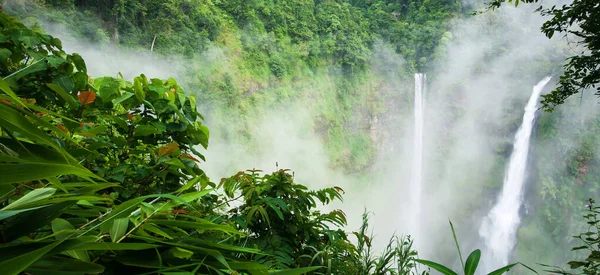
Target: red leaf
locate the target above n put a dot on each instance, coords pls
(5, 101)
(86, 97)
(178, 211)
(62, 128)
(167, 149)
(186, 156)
(339, 189)
(130, 116)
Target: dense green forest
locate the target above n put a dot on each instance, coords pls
(274, 53)
(119, 163)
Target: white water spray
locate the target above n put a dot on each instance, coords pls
(499, 227)
(417, 176)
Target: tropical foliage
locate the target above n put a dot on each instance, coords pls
(100, 176)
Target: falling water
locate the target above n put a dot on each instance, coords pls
(418, 146)
(499, 227)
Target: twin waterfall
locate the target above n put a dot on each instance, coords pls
(499, 227)
(417, 176)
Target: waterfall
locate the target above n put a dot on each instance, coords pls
(499, 227)
(418, 147)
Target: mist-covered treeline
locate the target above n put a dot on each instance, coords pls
(250, 54)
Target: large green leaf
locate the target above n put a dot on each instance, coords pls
(119, 229)
(12, 120)
(201, 250)
(62, 265)
(34, 67)
(108, 88)
(202, 225)
(64, 95)
(189, 184)
(444, 270)
(67, 198)
(65, 82)
(472, 262)
(4, 214)
(121, 211)
(114, 246)
(25, 172)
(220, 246)
(186, 198)
(6, 89)
(154, 229)
(33, 196)
(502, 270)
(79, 62)
(296, 271)
(16, 265)
(122, 98)
(30, 221)
(59, 225)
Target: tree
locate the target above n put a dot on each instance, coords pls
(581, 71)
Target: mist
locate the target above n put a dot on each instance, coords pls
(474, 102)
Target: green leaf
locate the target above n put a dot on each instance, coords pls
(204, 136)
(61, 92)
(186, 198)
(81, 81)
(67, 199)
(108, 88)
(4, 54)
(35, 67)
(472, 262)
(61, 225)
(30, 221)
(7, 90)
(119, 229)
(56, 182)
(16, 265)
(178, 126)
(24, 172)
(154, 229)
(276, 209)
(145, 130)
(202, 225)
(188, 185)
(296, 271)
(121, 211)
(62, 265)
(181, 253)
(138, 89)
(55, 61)
(79, 62)
(122, 98)
(114, 246)
(65, 82)
(462, 262)
(221, 246)
(444, 270)
(4, 214)
(33, 196)
(13, 121)
(502, 270)
(5, 189)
